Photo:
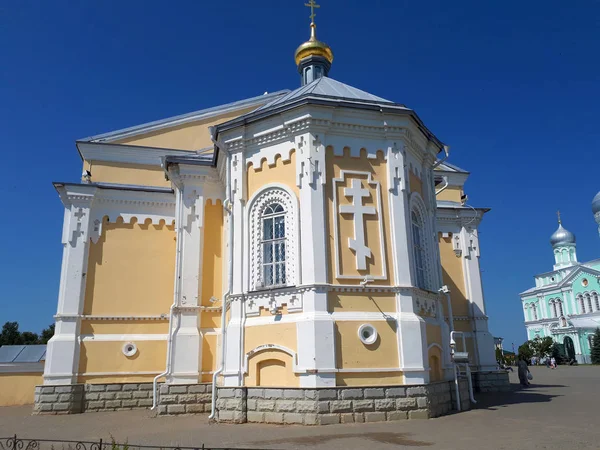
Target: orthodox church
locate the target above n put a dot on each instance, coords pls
(313, 242)
(565, 303)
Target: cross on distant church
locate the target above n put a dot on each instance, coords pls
(357, 192)
(312, 5)
(558, 214)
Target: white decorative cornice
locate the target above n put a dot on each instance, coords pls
(164, 316)
(128, 154)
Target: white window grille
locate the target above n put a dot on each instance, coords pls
(588, 298)
(419, 249)
(581, 304)
(273, 245)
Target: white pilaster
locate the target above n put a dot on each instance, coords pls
(62, 358)
(484, 345)
(412, 340)
(316, 336)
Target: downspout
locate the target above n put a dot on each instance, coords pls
(228, 207)
(443, 188)
(178, 248)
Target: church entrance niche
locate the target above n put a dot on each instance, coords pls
(569, 348)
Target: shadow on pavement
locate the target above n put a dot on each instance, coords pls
(382, 437)
(517, 395)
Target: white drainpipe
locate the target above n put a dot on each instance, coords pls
(178, 248)
(228, 207)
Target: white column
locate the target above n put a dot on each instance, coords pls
(234, 340)
(484, 344)
(62, 357)
(187, 348)
(316, 336)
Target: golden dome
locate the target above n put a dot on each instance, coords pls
(313, 47)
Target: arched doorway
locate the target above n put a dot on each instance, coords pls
(569, 348)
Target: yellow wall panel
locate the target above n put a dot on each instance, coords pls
(119, 379)
(103, 356)
(451, 193)
(435, 364)
(272, 368)
(122, 173)
(131, 270)
(210, 319)
(452, 271)
(124, 327)
(209, 352)
(189, 136)
(377, 169)
(434, 334)
(416, 185)
(369, 379)
(281, 172)
(212, 258)
(352, 353)
(283, 334)
(363, 302)
(18, 388)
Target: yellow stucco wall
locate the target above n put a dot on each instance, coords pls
(416, 185)
(368, 378)
(453, 276)
(18, 388)
(119, 379)
(131, 270)
(209, 354)
(351, 353)
(281, 172)
(377, 169)
(451, 193)
(435, 364)
(283, 334)
(124, 327)
(369, 302)
(272, 368)
(434, 334)
(189, 136)
(108, 172)
(212, 258)
(107, 356)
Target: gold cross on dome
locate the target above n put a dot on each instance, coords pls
(558, 214)
(312, 4)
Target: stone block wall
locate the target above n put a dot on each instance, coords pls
(325, 406)
(68, 399)
(117, 396)
(184, 399)
(491, 381)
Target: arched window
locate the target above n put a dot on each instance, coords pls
(534, 309)
(588, 299)
(273, 245)
(419, 249)
(581, 304)
(560, 308)
(272, 239)
(553, 305)
(596, 301)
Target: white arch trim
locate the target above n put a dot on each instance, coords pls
(253, 230)
(417, 203)
(265, 347)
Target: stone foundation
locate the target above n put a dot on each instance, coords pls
(184, 399)
(491, 381)
(325, 406)
(59, 399)
(117, 396)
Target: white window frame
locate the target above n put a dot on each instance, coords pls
(270, 194)
(417, 206)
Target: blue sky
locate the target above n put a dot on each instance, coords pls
(513, 88)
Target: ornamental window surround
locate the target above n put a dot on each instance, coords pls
(419, 249)
(273, 239)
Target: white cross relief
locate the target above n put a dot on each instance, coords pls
(357, 192)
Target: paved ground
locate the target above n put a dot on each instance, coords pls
(560, 411)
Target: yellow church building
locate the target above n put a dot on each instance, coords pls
(298, 257)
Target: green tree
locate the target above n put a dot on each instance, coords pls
(499, 356)
(542, 347)
(596, 347)
(10, 334)
(525, 351)
(47, 334)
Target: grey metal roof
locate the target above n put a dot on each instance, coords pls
(184, 118)
(22, 353)
(447, 167)
(325, 87)
(562, 236)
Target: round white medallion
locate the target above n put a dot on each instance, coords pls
(367, 334)
(129, 349)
